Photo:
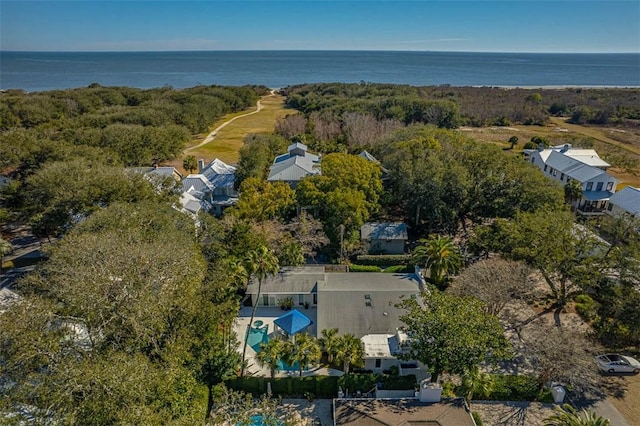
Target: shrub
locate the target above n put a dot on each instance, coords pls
(383, 260)
(364, 268)
(398, 269)
(7, 265)
(476, 418)
(516, 388)
(586, 307)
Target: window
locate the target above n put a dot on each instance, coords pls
(378, 363)
(545, 167)
(301, 299)
(265, 299)
(561, 176)
(533, 160)
(589, 186)
(609, 186)
(315, 298)
(609, 206)
(599, 186)
(555, 172)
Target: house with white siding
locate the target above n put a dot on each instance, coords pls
(564, 164)
(625, 203)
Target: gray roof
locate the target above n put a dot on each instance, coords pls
(354, 302)
(383, 231)
(293, 169)
(220, 174)
(597, 195)
(627, 199)
(198, 182)
(363, 303)
(290, 280)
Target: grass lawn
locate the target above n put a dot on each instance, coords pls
(229, 139)
(612, 143)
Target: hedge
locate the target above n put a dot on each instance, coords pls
(384, 259)
(364, 268)
(366, 382)
(396, 269)
(288, 387)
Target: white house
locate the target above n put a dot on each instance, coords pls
(296, 164)
(564, 164)
(625, 202)
(223, 178)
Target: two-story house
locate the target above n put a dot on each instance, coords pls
(564, 164)
(296, 164)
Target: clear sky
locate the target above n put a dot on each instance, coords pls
(484, 26)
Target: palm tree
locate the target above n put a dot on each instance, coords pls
(270, 354)
(573, 192)
(349, 351)
(260, 264)
(190, 163)
(328, 342)
(5, 249)
(513, 140)
(568, 416)
(304, 350)
(440, 256)
(476, 382)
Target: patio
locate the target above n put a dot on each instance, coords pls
(265, 317)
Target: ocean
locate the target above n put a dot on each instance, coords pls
(38, 71)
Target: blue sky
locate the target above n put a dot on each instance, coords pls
(484, 26)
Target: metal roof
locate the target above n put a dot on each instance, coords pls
(383, 231)
(220, 174)
(627, 199)
(198, 182)
(597, 195)
(293, 169)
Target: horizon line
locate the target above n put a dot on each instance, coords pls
(322, 50)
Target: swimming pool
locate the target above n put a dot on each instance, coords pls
(257, 336)
(258, 420)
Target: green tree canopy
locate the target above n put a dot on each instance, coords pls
(452, 334)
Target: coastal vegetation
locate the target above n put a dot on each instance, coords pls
(129, 317)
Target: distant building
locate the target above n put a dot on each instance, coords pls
(564, 164)
(168, 171)
(295, 165)
(384, 237)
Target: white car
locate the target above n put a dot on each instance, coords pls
(614, 363)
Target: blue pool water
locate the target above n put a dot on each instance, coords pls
(257, 336)
(257, 420)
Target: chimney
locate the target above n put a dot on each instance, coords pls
(430, 392)
(200, 165)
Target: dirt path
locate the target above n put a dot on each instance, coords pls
(214, 133)
(595, 133)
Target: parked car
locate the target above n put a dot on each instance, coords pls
(615, 363)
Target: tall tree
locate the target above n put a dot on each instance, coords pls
(260, 200)
(573, 193)
(329, 342)
(260, 264)
(190, 163)
(495, 281)
(270, 354)
(349, 351)
(304, 350)
(452, 334)
(441, 257)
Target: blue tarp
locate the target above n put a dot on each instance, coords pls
(293, 322)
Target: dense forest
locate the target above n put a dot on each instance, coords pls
(128, 319)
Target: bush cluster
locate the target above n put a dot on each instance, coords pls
(384, 260)
(288, 387)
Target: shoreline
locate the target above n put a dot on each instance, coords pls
(450, 86)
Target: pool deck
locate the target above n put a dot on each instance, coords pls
(268, 315)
